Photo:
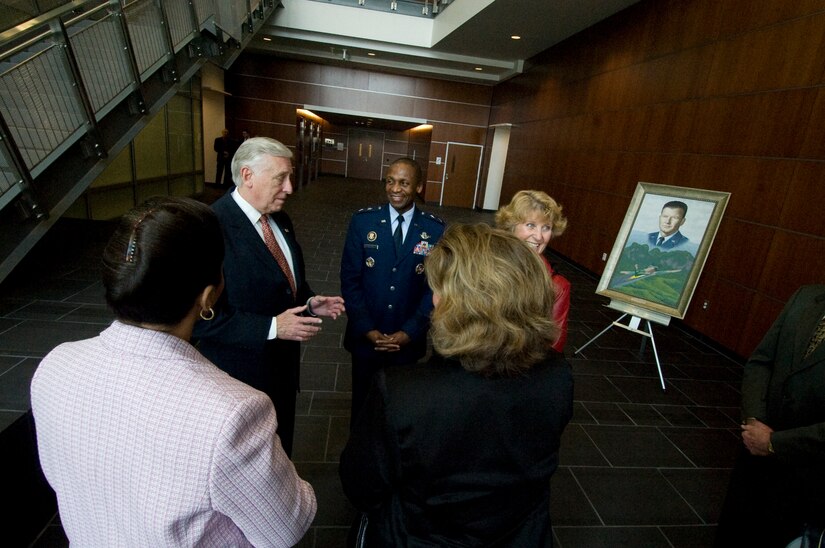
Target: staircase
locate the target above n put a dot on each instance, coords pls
(80, 79)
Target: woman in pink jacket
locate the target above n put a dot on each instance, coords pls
(145, 441)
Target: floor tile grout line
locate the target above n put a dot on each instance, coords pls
(677, 447)
(587, 498)
(676, 489)
(596, 445)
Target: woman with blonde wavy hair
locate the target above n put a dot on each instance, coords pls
(536, 218)
(459, 451)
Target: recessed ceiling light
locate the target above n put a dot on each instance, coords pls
(371, 54)
(479, 68)
(516, 37)
(267, 39)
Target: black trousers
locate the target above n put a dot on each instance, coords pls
(363, 370)
(223, 168)
(284, 396)
(768, 503)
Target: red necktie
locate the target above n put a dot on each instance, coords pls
(275, 249)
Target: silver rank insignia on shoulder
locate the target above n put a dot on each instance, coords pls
(419, 268)
(425, 236)
(370, 262)
(372, 236)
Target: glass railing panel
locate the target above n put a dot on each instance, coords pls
(99, 48)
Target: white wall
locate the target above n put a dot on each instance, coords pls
(495, 173)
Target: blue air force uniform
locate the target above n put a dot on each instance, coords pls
(384, 290)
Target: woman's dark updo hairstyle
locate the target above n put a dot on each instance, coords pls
(163, 254)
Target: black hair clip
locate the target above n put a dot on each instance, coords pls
(131, 247)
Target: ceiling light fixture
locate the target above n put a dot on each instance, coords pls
(309, 114)
(371, 54)
(515, 37)
(479, 68)
(267, 39)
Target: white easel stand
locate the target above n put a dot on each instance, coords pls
(636, 316)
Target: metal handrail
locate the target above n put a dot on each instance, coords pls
(46, 100)
(22, 29)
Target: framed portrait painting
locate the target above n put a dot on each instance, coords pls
(661, 248)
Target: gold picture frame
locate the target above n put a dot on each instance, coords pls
(653, 267)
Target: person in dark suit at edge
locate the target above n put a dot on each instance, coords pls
(671, 219)
(223, 147)
(268, 307)
(388, 299)
(778, 482)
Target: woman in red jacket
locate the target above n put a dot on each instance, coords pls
(536, 218)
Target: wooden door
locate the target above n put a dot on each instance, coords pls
(365, 150)
(461, 173)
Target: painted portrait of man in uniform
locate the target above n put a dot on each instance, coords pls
(662, 245)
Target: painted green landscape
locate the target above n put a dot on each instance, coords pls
(652, 274)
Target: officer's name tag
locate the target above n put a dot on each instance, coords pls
(371, 246)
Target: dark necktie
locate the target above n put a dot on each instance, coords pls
(277, 253)
(660, 241)
(818, 337)
(398, 235)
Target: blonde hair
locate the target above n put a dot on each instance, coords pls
(494, 300)
(524, 203)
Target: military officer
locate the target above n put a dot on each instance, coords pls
(383, 280)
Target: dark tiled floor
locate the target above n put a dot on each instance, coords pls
(639, 466)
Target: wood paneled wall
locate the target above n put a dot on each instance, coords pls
(266, 91)
(721, 95)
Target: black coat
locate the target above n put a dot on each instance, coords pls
(770, 497)
(444, 457)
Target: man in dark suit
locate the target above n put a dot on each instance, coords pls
(388, 299)
(267, 307)
(671, 220)
(223, 147)
(778, 482)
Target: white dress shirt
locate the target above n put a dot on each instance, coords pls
(408, 215)
(254, 217)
